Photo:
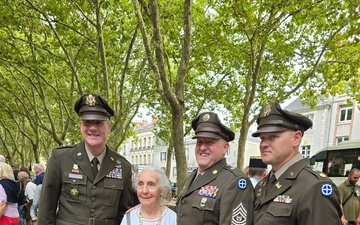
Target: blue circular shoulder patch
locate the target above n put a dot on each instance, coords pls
(242, 183)
(327, 189)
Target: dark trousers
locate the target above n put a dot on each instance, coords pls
(351, 223)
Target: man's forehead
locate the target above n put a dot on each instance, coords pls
(275, 133)
(207, 139)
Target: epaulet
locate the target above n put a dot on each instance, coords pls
(236, 171)
(320, 175)
(120, 156)
(65, 146)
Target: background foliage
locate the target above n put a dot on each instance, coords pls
(177, 58)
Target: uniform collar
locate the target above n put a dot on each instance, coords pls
(91, 156)
(287, 165)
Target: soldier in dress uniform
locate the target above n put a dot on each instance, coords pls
(291, 193)
(215, 193)
(87, 183)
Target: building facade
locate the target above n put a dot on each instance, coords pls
(335, 119)
(145, 150)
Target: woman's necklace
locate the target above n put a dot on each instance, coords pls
(141, 217)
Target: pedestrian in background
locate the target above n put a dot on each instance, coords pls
(152, 187)
(30, 187)
(350, 198)
(88, 183)
(9, 214)
(291, 193)
(257, 170)
(215, 193)
(21, 192)
(39, 170)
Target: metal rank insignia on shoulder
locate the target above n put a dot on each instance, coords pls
(322, 175)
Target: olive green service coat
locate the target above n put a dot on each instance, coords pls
(222, 195)
(300, 196)
(83, 199)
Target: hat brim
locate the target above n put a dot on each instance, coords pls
(268, 129)
(93, 117)
(207, 135)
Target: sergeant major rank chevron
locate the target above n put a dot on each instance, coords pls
(239, 215)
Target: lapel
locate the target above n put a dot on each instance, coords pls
(107, 165)
(187, 182)
(81, 158)
(283, 183)
(210, 175)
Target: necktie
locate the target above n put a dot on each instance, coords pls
(94, 163)
(271, 183)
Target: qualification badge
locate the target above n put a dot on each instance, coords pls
(74, 192)
(203, 201)
(75, 168)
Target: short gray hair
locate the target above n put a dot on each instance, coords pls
(40, 166)
(163, 180)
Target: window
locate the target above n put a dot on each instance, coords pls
(149, 142)
(345, 113)
(311, 117)
(162, 156)
(174, 172)
(305, 151)
(340, 139)
(163, 169)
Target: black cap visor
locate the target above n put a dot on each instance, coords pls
(268, 129)
(207, 135)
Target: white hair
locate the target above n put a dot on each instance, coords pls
(163, 180)
(2, 158)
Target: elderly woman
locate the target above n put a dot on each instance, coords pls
(152, 187)
(9, 214)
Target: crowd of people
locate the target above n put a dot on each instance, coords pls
(17, 191)
(89, 184)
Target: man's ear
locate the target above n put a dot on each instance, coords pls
(297, 138)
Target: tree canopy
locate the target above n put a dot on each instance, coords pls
(177, 58)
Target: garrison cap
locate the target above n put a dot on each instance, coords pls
(274, 119)
(93, 107)
(208, 124)
(257, 163)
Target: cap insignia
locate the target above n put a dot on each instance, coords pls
(90, 100)
(206, 117)
(266, 111)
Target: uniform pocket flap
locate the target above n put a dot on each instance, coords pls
(204, 203)
(280, 209)
(113, 183)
